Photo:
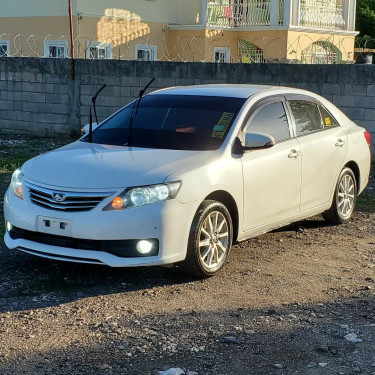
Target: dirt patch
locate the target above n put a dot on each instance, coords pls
(300, 300)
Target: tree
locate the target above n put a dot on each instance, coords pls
(365, 23)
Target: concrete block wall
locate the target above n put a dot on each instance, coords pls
(38, 96)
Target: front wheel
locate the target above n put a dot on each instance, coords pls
(344, 199)
(210, 240)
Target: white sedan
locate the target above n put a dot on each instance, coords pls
(181, 175)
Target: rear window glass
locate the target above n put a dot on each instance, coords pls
(306, 116)
(328, 120)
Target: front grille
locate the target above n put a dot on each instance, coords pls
(120, 248)
(64, 200)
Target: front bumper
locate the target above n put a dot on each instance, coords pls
(166, 223)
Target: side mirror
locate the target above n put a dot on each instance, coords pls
(86, 128)
(256, 141)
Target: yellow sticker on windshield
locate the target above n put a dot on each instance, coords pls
(222, 125)
(327, 121)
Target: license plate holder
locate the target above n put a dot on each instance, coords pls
(52, 225)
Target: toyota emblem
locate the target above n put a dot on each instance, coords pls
(59, 197)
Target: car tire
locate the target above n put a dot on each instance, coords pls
(210, 240)
(344, 199)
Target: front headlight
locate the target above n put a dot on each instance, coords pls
(16, 183)
(142, 195)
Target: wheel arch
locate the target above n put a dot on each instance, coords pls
(228, 201)
(354, 167)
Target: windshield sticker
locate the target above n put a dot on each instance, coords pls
(222, 125)
(327, 121)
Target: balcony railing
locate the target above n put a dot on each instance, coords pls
(320, 14)
(228, 14)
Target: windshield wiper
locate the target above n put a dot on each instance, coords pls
(138, 101)
(93, 103)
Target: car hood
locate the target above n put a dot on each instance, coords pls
(84, 165)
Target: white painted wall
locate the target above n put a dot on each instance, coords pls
(171, 11)
(34, 8)
(186, 12)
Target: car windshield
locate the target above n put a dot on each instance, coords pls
(179, 122)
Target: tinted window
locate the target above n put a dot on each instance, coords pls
(179, 122)
(306, 116)
(328, 120)
(271, 120)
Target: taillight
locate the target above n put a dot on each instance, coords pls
(368, 138)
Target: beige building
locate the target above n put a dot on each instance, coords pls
(307, 31)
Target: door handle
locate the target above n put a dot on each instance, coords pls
(339, 143)
(293, 154)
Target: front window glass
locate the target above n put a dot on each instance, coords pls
(306, 116)
(180, 122)
(271, 120)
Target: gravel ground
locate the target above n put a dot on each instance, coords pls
(300, 300)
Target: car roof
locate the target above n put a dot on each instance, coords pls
(224, 90)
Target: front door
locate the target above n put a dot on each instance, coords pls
(271, 177)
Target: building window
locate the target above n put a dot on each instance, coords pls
(222, 54)
(56, 48)
(4, 48)
(144, 52)
(99, 50)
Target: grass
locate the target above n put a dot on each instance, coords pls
(14, 152)
(366, 202)
(10, 163)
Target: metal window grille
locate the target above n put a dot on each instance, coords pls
(318, 53)
(3, 50)
(249, 53)
(57, 51)
(323, 14)
(97, 52)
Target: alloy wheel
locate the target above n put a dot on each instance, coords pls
(346, 196)
(213, 240)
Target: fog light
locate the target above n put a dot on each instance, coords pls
(144, 247)
(8, 226)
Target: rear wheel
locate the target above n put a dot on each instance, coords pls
(210, 240)
(344, 199)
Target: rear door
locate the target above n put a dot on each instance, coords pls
(323, 147)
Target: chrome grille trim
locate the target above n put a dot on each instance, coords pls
(73, 201)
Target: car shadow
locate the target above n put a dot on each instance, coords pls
(315, 222)
(27, 281)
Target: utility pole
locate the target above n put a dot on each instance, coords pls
(72, 70)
